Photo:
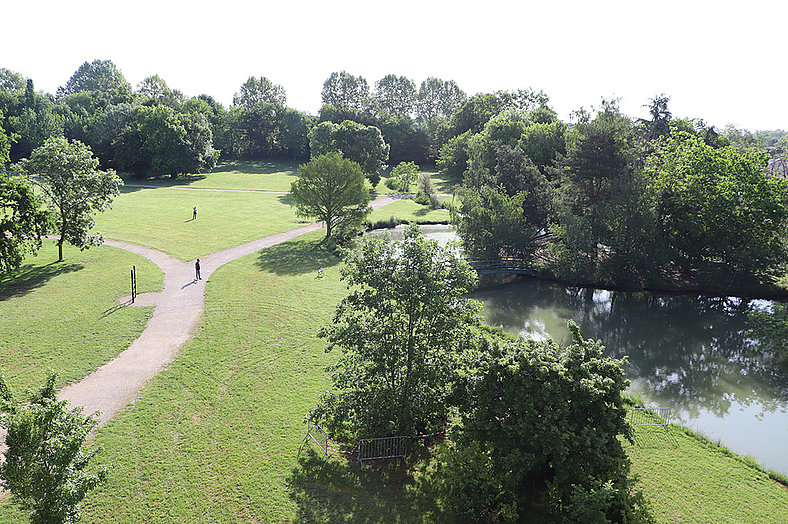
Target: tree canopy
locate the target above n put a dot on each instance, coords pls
(402, 331)
(46, 465)
(74, 188)
(331, 189)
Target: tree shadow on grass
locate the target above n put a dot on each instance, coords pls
(165, 180)
(30, 277)
(285, 199)
(254, 167)
(296, 257)
(339, 490)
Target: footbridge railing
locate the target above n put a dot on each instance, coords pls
(502, 265)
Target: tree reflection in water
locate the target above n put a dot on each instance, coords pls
(688, 352)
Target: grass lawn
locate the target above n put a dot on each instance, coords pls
(162, 219)
(688, 479)
(271, 175)
(409, 211)
(264, 175)
(65, 316)
(215, 437)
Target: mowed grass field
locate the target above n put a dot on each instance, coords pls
(65, 315)
(162, 219)
(268, 176)
(690, 479)
(216, 437)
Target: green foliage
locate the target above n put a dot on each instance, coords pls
(438, 98)
(491, 224)
(345, 91)
(357, 142)
(103, 78)
(404, 174)
(453, 157)
(45, 466)
(402, 331)
(550, 419)
(22, 222)
(331, 188)
(395, 95)
(74, 188)
(717, 212)
(468, 489)
(259, 90)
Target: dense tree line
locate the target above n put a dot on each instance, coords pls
(604, 198)
(659, 202)
(153, 129)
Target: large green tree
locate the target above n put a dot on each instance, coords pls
(395, 95)
(549, 421)
(718, 212)
(362, 144)
(402, 331)
(101, 77)
(74, 189)
(345, 91)
(331, 189)
(259, 90)
(46, 465)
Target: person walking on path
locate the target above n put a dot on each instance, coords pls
(194, 213)
(197, 270)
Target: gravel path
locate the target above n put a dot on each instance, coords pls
(177, 310)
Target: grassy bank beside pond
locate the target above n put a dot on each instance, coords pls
(216, 436)
(691, 479)
(65, 315)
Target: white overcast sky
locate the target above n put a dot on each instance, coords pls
(722, 61)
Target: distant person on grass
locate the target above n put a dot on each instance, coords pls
(194, 213)
(197, 270)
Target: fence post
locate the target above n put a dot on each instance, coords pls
(133, 283)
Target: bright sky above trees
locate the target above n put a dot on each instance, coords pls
(718, 60)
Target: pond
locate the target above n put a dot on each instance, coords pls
(686, 352)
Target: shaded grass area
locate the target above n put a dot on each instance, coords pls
(690, 479)
(162, 219)
(65, 316)
(270, 175)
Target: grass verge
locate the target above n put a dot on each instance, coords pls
(65, 315)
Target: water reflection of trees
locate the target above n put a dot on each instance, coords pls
(691, 351)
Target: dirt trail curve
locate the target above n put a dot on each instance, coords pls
(178, 308)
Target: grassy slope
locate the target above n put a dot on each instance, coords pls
(215, 437)
(65, 315)
(692, 480)
(162, 219)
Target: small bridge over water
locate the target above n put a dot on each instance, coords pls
(489, 266)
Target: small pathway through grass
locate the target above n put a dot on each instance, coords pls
(173, 322)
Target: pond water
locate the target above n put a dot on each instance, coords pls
(686, 352)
